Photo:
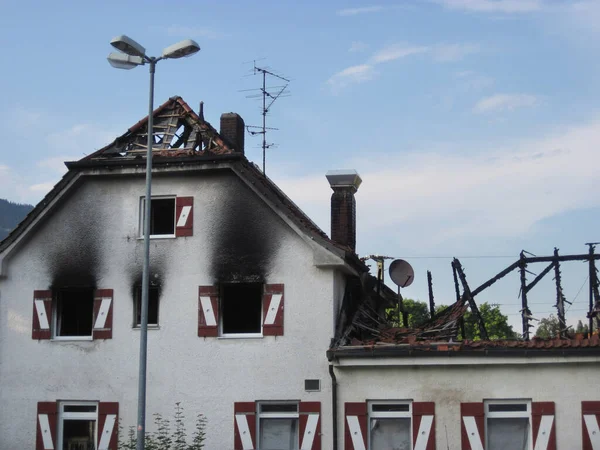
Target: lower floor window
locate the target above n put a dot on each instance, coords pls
(77, 428)
(278, 425)
(390, 425)
(508, 424)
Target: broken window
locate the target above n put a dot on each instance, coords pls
(278, 425)
(74, 312)
(241, 308)
(153, 294)
(162, 217)
(77, 424)
(390, 425)
(507, 424)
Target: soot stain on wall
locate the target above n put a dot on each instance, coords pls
(246, 235)
(73, 243)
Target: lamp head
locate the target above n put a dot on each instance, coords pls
(128, 46)
(121, 61)
(181, 49)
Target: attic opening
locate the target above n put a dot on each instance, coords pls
(241, 308)
(74, 312)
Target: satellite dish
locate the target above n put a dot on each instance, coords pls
(401, 273)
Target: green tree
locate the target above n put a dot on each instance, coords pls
(581, 328)
(549, 327)
(418, 313)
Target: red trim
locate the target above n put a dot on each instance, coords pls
(421, 409)
(539, 409)
(106, 332)
(105, 408)
(276, 329)
(51, 409)
(36, 331)
(475, 410)
(249, 410)
(205, 330)
(306, 408)
(588, 408)
(355, 409)
(188, 228)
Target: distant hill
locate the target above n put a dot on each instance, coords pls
(10, 216)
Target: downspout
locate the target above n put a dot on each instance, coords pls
(334, 406)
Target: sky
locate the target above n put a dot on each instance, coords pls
(473, 123)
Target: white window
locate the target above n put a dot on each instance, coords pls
(162, 217)
(278, 425)
(508, 424)
(77, 425)
(241, 309)
(73, 313)
(390, 425)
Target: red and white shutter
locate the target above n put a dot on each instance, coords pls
(108, 425)
(184, 217)
(208, 311)
(355, 426)
(244, 425)
(591, 430)
(46, 426)
(544, 432)
(273, 310)
(103, 314)
(310, 425)
(472, 429)
(423, 425)
(42, 315)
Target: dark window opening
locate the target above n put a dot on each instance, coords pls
(241, 306)
(74, 312)
(162, 217)
(79, 434)
(153, 295)
(312, 385)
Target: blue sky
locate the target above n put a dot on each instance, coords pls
(473, 123)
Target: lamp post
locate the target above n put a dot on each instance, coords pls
(132, 55)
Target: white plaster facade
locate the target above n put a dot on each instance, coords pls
(100, 214)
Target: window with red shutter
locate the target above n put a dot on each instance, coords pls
(184, 209)
(423, 416)
(355, 426)
(310, 425)
(590, 412)
(544, 432)
(108, 425)
(208, 311)
(46, 426)
(103, 314)
(472, 426)
(244, 425)
(273, 310)
(42, 315)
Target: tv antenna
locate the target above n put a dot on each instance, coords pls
(269, 95)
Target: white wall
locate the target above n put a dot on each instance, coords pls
(563, 382)
(94, 233)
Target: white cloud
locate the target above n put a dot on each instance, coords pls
(194, 32)
(356, 11)
(494, 6)
(397, 51)
(436, 197)
(81, 138)
(358, 46)
(351, 75)
(454, 52)
(504, 102)
(42, 188)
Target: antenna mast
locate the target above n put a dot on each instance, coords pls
(269, 96)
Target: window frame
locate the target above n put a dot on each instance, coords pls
(224, 335)
(487, 414)
(55, 319)
(277, 415)
(389, 415)
(142, 215)
(76, 416)
(138, 295)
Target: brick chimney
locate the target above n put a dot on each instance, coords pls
(343, 206)
(233, 130)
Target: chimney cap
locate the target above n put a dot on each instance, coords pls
(344, 178)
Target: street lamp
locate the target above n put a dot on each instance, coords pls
(131, 55)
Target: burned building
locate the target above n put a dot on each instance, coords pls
(258, 319)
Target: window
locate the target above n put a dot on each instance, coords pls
(507, 424)
(278, 425)
(390, 425)
(153, 295)
(162, 217)
(77, 425)
(74, 313)
(241, 308)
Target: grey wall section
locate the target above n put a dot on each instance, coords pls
(92, 237)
